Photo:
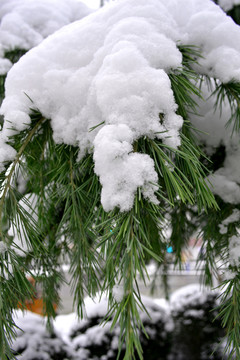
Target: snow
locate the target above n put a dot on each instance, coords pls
(186, 295)
(25, 23)
(95, 4)
(98, 308)
(34, 321)
(124, 171)
(118, 292)
(225, 181)
(33, 340)
(234, 250)
(111, 68)
(5, 66)
(80, 338)
(234, 217)
(63, 325)
(3, 247)
(7, 152)
(204, 24)
(20, 242)
(211, 122)
(228, 190)
(194, 313)
(163, 303)
(92, 335)
(234, 241)
(228, 4)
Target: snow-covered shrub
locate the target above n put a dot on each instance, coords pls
(181, 330)
(228, 5)
(26, 23)
(34, 342)
(196, 331)
(92, 341)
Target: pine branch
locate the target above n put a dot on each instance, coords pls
(184, 80)
(7, 183)
(230, 93)
(229, 312)
(15, 54)
(125, 245)
(105, 249)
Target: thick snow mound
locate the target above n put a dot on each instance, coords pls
(111, 68)
(214, 136)
(90, 340)
(190, 294)
(35, 342)
(25, 23)
(228, 4)
(87, 339)
(196, 329)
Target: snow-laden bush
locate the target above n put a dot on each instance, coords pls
(196, 332)
(100, 342)
(228, 4)
(179, 330)
(34, 342)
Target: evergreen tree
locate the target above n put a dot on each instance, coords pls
(114, 130)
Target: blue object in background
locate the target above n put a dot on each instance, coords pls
(169, 249)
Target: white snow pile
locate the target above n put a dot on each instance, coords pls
(234, 250)
(211, 122)
(25, 23)
(90, 340)
(85, 339)
(189, 295)
(35, 342)
(234, 217)
(228, 4)
(111, 68)
(225, 181)
(3, 248)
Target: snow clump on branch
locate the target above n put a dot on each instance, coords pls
(103, 81)
(227, 5)
(214, 134)
(25, 23)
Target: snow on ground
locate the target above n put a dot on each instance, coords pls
(111, 68)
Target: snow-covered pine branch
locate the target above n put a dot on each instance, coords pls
(113, 67)
(115, 96)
